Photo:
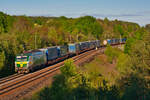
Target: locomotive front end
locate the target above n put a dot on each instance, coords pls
(21, 64)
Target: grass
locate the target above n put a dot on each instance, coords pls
(102, 66)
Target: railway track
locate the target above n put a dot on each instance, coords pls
(9, 78)
(13, 83)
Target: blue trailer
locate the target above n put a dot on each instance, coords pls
(63, 50)
(83, 46)
(120, 41)
(117, 41)
(124, 40)
(52, 53)
(74, 48)
(97, 43)
(109, 41)
(92, 44)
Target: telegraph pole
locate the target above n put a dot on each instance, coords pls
(35, 36)
(35, 40)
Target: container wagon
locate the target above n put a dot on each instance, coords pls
(98, 43)
(52, 54)
(83, 46)
(63, 50)
(74, 48)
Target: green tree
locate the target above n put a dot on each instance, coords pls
(69, 69)
(3, 22)
(112, 53)
(122, 63)
(89, 25)
(2, 60)
(134, 87)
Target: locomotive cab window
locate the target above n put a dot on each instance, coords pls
(21, 58)
(18, 59)
(24, 59)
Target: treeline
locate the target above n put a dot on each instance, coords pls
(20, 33)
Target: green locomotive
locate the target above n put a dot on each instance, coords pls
(30, 61)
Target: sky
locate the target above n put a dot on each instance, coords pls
(127, 10)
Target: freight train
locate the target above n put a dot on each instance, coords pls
(36, 59)
(114, 41)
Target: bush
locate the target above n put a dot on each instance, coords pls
(112, 53)
(69, 69)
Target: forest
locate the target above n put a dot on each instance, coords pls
(21, 33)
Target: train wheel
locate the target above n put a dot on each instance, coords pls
(31, 70)
(18, 72)
(27, 71)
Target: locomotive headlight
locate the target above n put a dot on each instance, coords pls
(30, 60)
(29, 63)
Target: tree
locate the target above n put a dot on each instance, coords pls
(118, 29)
(122, 63)
(2, 60)
(134, 87)
(88, 25)
(69, 69)
(3, 22)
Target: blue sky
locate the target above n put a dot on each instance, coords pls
(129, 10)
